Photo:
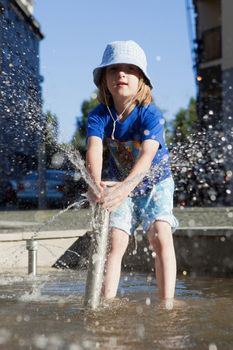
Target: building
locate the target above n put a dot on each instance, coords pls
(20, 88)
(214, 59)
(214, 75)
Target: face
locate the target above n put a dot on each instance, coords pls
(122, 80)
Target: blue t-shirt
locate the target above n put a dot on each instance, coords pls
(143, 123)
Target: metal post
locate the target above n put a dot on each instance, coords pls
(32, 247)
(97, 258)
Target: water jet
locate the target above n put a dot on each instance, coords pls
(99, 243)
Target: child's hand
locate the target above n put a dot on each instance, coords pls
(113, 195)
(92, 196)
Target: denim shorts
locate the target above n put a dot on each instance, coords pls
(155, 205)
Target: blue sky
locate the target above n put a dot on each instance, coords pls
(76, 34)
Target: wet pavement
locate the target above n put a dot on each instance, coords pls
(48, 313)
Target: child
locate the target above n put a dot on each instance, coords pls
(141, 187)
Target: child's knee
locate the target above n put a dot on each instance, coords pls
(160, 237)
(119, 241)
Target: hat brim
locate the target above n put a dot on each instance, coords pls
(98, 71)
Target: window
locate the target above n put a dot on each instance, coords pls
(212, 44)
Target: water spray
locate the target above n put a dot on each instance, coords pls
(99, 244)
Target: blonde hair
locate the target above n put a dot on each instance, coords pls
(142, 97)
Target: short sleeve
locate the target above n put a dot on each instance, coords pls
(153, 126)
(95, 124)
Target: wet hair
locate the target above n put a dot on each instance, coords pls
(142, 97)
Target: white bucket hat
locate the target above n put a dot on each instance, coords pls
(125, 52)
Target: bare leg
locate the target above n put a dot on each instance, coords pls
(158, 273)
(119, 243)
(160, 237)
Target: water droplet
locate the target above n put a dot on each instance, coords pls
(94, 95)
(146, 132)
(149, 278)
(57, 159)
(74, 346)
(169, 304)
(139, 309)
(213, 197)
(139, 237)
(4, 336)
(95, 258)
(140, 330)
(191, 223)
(26, 318)
(19, 318)
(40, 341)
(88, 344)
(162, 121)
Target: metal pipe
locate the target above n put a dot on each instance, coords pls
(98, 252)
(32, 247)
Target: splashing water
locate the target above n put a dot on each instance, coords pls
(185, 156)
(75, 158)
(216, 144)
(199, 165)
(17, 253)
(202, 168)
(54, 217)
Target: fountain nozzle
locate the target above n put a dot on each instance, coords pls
(32, 247)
